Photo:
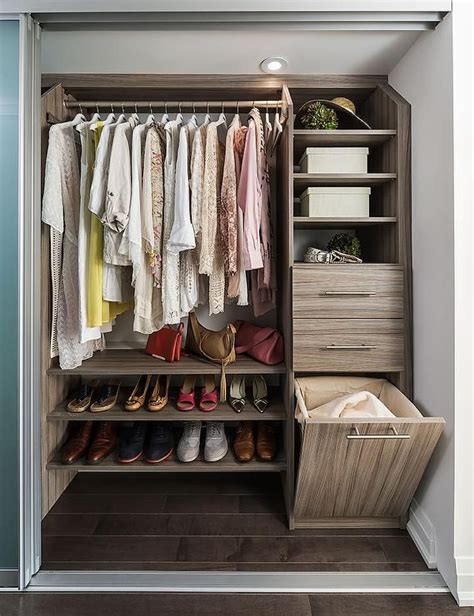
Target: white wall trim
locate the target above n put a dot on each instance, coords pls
(8, 578)
(465, 580)
(422, 531)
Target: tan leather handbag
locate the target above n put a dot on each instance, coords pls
(218, 347)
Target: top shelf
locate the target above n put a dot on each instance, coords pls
(131, 362)
(304, 138)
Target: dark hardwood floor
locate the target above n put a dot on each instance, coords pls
(126, 604)
(203, 522)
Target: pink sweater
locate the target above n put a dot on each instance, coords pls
(249, 199)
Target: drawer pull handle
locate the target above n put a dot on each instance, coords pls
(351, 293)
(355, 435)
(350, 347)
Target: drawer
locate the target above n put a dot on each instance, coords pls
(348, 291)
(342, 345)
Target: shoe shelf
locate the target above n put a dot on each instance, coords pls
(172, 465)
(224, 412)
(130, 362)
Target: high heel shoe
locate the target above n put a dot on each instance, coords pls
(186, 396)
(260, 393)
(137, 398)
(208, 401)
(159, 396)
(237, 393)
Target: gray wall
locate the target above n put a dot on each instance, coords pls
(9, 292)
(424, 77)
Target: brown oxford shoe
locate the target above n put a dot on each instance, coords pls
(244, 442)
(77, 443)
(104, 441)
(266, 441)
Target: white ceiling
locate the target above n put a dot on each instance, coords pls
(151, 51)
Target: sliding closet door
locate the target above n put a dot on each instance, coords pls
(29, 239)
(9, 305)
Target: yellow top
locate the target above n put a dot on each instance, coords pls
(99, 311)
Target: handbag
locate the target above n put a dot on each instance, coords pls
(264, 344)
(218, 347)
(166, 343)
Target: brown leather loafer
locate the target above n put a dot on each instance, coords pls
(77, 443)
(104, 441)
(244, 442)
(266, 441)
(159, 395)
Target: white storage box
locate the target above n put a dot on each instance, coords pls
(335, 202)
(334, 160)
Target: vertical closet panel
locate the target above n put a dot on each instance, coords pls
(53, 388)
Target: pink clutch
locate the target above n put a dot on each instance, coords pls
(262, 343)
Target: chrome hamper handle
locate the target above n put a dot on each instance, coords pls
(357, 436)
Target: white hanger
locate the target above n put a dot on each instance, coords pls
(165, 117)
(277, 131)
(268, 127)
(151, 118)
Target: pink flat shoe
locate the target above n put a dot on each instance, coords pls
(208, 401)
(186, 398)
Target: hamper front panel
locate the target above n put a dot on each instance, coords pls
(347, 292)
(344, 477)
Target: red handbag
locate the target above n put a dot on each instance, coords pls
(264, 344)
(166, 343)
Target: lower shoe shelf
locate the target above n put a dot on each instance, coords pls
(171, 465)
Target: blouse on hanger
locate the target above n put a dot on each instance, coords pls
(87, 170)
(99, 311)
(228, 219)
(61, 207)
(170, 271)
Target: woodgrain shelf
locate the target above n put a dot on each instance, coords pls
(229, 464)
(308, 222)
(131, 362)
(304, 180)
(224, 412)
(304, 138)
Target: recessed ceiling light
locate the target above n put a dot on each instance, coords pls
(273, 65)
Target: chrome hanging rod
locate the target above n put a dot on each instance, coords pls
(173, 104)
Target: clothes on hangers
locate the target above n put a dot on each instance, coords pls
(172, 214)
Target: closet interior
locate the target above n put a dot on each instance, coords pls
(336, 319)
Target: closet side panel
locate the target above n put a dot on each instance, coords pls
(53, 388)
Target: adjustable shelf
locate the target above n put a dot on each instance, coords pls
(306, 138)
(229, 464)
(224, 412)
(133, 362)
(305, 180)
(308, 222)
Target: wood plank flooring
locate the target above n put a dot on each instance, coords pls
(127, 604)
(203, 522)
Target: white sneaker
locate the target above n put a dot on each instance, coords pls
(216, 445)
(188, 446)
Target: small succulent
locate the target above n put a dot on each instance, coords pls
(348, 244)
(319, 116)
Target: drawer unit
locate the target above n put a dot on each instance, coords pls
(341, 345)
(347, 291)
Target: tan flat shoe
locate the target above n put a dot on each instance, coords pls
(137, 398)
(81, 399)
(159, 395)
(107, 399)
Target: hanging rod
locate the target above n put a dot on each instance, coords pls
(174, 104)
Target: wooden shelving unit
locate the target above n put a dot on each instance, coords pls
(133, 362)
(224, 412)
(308, 222)
(229, 464)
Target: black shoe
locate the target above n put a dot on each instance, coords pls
(160, 442)
(132, 439)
